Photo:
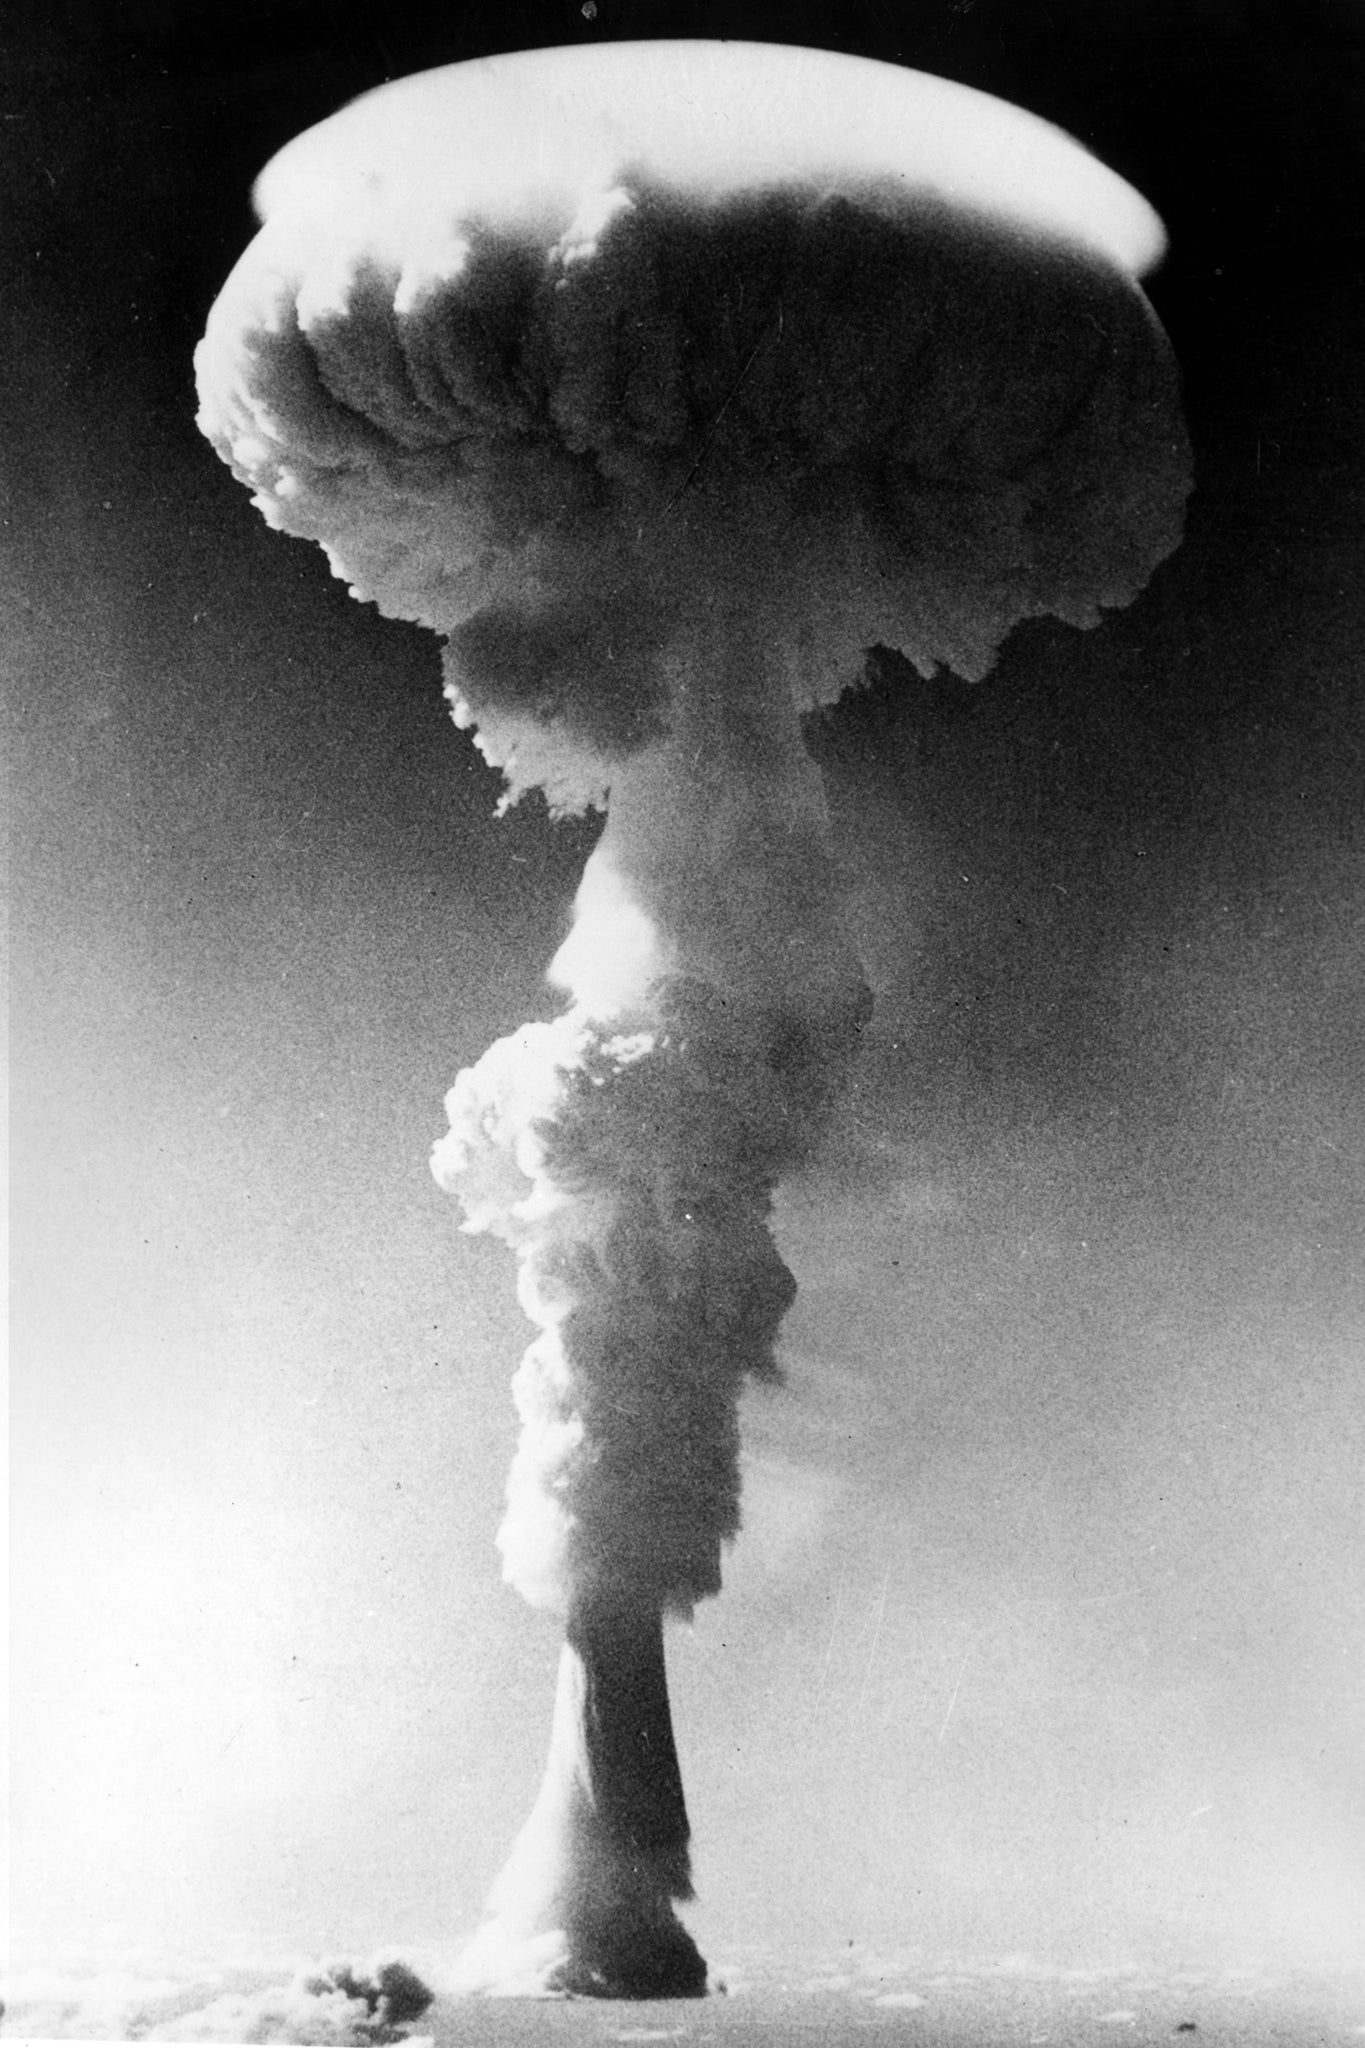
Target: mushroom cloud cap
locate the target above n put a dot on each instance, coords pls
(523, 137)
(559, 351)
(663, 381)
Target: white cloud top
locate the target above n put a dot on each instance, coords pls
(522, 137)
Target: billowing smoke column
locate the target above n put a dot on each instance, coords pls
(663, 381)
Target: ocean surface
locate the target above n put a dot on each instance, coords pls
(765, 2002)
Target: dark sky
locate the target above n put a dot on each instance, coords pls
(1086, 1252)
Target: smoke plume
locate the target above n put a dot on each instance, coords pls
(661, 457)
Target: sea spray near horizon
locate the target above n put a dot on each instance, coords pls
(903, 1995)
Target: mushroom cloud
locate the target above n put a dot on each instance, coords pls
(663, 381)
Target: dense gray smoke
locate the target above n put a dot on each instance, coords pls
(661, 451)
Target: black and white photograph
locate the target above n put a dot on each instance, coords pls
(687, 1022)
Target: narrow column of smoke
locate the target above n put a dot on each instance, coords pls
(629, 1152)
(665, 380)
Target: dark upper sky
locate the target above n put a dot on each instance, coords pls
(136, 131)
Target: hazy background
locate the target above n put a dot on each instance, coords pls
(1048, 1629)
